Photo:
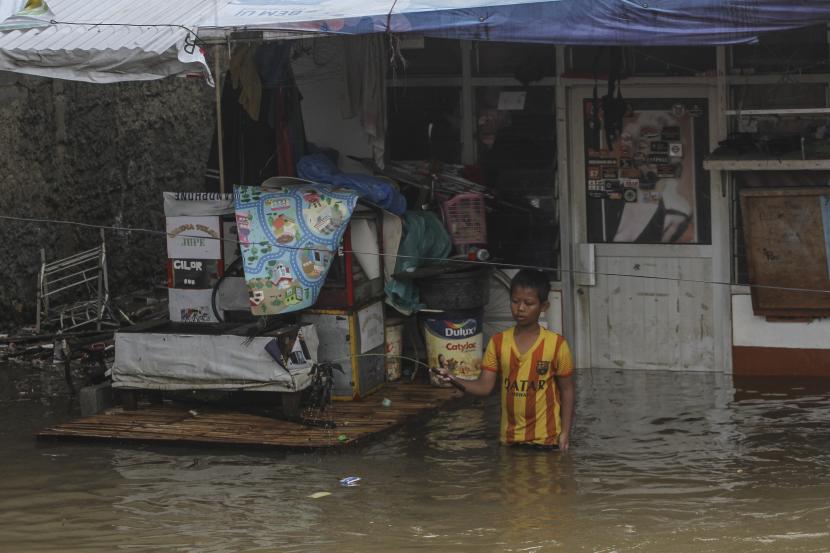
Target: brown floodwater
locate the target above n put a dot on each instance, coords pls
(660, 462)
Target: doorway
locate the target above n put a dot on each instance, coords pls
(649, 231)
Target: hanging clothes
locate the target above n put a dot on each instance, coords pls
(248, 146)
(270, 145)
(285, 111)
(245, 79)
(364, 91)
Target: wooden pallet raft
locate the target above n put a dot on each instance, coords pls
(170, 423)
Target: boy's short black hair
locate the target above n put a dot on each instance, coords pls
(531, 278)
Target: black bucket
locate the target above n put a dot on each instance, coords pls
(459, 290)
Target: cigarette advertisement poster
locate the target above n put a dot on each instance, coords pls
(643, 174)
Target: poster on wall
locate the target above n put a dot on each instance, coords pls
(644, 183)
(287, 238)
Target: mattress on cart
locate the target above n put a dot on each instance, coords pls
(182, 361)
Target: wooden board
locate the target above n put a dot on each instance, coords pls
(171, 423)
(786, 248)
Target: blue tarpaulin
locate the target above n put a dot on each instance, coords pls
(612, 22)
(319, 168)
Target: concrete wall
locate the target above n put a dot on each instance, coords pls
(99, 154)
(777, 348)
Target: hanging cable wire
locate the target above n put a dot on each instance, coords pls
(192, 39)
(494, 264)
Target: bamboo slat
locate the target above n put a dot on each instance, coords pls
(355, 422)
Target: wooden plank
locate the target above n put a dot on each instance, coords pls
(358, 421)
(786, 251)
(767, 165)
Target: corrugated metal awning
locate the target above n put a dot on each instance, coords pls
(110, 41)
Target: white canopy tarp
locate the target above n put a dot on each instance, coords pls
(102, 42)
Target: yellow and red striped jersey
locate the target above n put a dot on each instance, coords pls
(529, 395)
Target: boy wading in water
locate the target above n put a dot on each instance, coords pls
(534, 369)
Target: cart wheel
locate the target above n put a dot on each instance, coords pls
(290, 404)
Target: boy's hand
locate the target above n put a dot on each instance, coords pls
(444, 377)
(564, 442)
(442, 374)
(566, 389)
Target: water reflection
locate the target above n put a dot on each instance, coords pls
(660, 462)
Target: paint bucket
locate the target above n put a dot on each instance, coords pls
(394, 347)
(454, 341)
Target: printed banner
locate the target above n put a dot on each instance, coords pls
(194, 238)
(194, 204)
(287, 237)
(190, 306)
(196, 274)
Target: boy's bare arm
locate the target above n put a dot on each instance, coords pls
(483, 385)
(566, 393)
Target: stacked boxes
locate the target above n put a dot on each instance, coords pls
(354, 339)
(196, 251)
(356, 279)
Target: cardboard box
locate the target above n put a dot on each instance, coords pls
(355, 340)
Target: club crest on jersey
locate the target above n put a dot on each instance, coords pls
(542, 367)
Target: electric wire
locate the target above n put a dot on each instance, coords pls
(192, 39)
(494, 264)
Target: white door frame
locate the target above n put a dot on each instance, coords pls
(573, 188)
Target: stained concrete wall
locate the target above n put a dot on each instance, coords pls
(98, 154)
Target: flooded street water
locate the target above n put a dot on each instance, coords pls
(660, 462)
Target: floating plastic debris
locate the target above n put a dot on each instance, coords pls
(318, 495)
(342, 438)
(350, 481)
(386, 402)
